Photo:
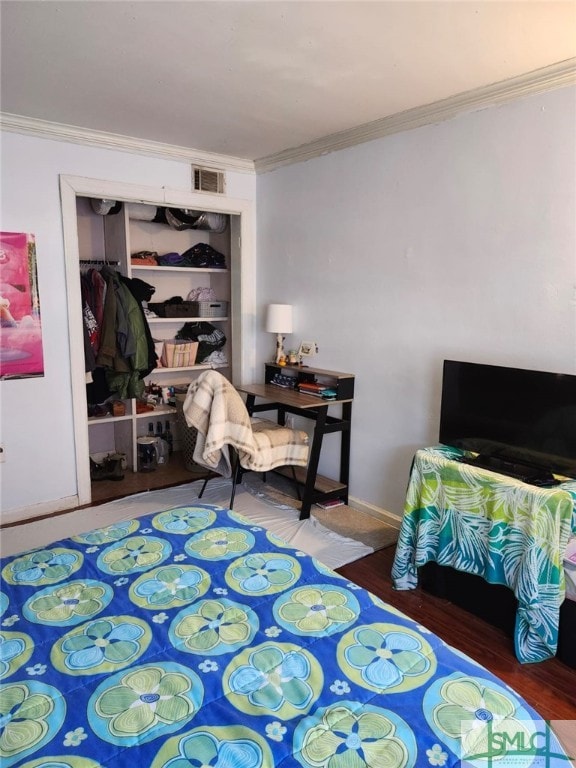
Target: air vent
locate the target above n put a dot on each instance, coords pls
(207, 180)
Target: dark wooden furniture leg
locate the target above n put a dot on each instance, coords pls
(312, 470)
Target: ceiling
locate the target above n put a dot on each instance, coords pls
(253, 79)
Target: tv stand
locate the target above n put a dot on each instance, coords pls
(527, 473)
(489, 525)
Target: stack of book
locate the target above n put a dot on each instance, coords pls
(317, 390)
(330, 503)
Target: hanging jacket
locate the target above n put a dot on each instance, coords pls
(143, 291)
(123, 347)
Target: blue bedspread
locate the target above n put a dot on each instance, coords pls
(190, 637)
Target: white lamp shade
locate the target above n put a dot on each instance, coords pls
(279, 318)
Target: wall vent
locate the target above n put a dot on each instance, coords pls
(207, 180)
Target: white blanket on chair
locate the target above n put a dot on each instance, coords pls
(216, 410)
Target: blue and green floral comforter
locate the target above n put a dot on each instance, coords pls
(191, 637)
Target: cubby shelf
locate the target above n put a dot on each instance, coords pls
(179, 320)
(188, 270)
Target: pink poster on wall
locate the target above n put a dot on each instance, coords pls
(21, 353)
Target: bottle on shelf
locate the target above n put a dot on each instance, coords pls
(169, 437)
(162, 445)
(151, 429)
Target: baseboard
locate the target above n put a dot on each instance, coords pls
(45, 509)
(374, 511)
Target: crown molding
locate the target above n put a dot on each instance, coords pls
(60, 132)
(548, 78)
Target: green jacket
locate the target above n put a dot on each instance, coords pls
(123, 348)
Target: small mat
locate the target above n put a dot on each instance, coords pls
(346, 521)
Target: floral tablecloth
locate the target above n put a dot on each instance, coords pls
(191, 637)
(493, 526)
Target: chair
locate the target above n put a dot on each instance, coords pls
(229, 442)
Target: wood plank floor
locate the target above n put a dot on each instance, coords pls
(174, 473)
(549, 686)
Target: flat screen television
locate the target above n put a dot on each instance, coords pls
(519, 422)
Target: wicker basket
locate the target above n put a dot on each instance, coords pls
(187, 438)
(179, 353)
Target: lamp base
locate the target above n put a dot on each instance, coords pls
(279, 347)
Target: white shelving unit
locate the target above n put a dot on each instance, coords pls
(89, 236)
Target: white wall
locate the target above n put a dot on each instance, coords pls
(455, 240)
(36, 425)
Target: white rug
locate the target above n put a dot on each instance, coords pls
(307, 535)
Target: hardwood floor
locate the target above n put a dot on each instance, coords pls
(174, 473)
(549, 686)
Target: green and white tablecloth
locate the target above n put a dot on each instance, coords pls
(493, 526)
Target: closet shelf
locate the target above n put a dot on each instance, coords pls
(186, 320)
(188, 270)
(199, 367)
(108, 419)
(161, 410)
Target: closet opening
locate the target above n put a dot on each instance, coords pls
(156, 295)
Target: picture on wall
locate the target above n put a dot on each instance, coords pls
(21, 353)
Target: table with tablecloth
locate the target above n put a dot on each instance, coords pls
(484, 523)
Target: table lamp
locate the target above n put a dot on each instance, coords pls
(279, 321)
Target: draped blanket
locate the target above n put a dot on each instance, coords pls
(492, 526)
(217, 411)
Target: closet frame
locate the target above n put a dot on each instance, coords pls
(242, 287)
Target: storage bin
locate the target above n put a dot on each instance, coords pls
(179, 354)
(190, 309)
(118, 408)
(187, 437)
(209, 308)
(185, 309)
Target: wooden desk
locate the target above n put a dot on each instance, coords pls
(289, 401)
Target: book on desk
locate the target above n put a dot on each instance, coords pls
(316, 389)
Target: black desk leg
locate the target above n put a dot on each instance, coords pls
(345, 447)
(250, 399)
(313, 463)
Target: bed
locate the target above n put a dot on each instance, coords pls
(192, 637)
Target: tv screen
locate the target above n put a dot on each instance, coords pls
(511, 415)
